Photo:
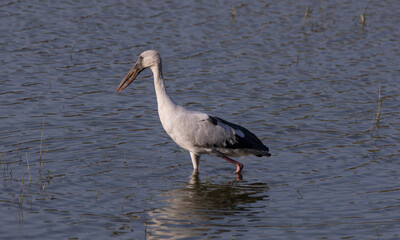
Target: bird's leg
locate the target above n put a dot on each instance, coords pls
(239, 166)
(239, 176)
(195, 161)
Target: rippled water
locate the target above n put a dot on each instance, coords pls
(78, 161)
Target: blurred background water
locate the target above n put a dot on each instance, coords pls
(79, 161)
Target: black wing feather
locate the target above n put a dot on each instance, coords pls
(249, 141)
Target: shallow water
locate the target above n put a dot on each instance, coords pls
(79, 161)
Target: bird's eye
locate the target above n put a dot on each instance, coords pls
(140, 58)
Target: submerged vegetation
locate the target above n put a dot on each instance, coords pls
(324, 19)
(14, 167)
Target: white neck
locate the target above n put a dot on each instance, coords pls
(163, 100)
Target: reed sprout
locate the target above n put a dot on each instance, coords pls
(377, 115)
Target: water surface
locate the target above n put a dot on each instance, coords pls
(79, 161)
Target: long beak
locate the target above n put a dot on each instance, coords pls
(130, 76)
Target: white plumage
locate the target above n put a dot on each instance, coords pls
(197, 132)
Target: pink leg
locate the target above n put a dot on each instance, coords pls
(239, 166)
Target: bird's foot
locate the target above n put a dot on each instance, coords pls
(195, 172)
(239, 167)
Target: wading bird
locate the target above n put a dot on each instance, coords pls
(197, 132)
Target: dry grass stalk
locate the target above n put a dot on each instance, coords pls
(29, 170)
(233, 11)
(41, 142)
(362, 16)
(306, 15)
(41, 159)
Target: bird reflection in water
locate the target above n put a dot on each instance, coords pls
(191, 211)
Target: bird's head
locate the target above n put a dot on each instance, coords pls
(147, 59)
